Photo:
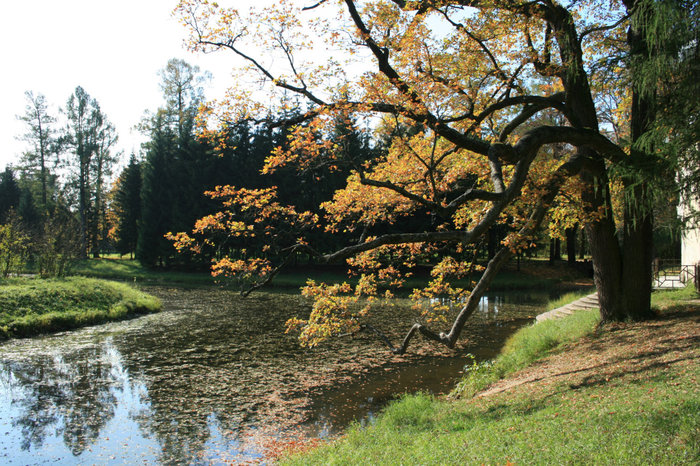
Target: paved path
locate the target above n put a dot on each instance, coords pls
(587, 302)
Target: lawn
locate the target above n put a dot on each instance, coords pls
(30, 306)
(561, 393)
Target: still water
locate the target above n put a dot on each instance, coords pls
(214, 379)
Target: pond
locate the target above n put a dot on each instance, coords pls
(214, 378)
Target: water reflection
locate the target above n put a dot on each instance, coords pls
(208, 379)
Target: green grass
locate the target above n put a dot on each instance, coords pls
(30, 306)
(131, 270)
(675, 297)
(653, 422)
(567, 298)
(526, 346)
(652, 418)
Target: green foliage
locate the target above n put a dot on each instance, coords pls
(14, 244)
(156, 199)
(32, 306)
(42, 158)
(57, 246)
(127, 205)
(527, 345)
(89, 136)
(9, 193)
(667, 73)
(649, 418)
(177, 169)
(652, 422)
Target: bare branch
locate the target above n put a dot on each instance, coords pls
(604, 28)
(315, 5)
(277, 82)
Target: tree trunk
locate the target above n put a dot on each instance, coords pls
(638, 219)
(571, 244)
(554, 250)
(603, 244)
(637, 256)
(607, 253)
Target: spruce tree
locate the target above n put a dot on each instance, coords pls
(128, 207)
(9, 193)
(157, 194)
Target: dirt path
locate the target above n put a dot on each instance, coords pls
(622, 352)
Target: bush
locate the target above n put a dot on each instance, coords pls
(13, 248)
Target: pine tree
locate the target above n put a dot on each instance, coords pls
(9, 193)
(156, 198)
(42, 156)
(128, 206)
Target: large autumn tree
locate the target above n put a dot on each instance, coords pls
(459, 89)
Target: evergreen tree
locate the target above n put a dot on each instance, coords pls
(128, 206)
(178, 168)
(156, 198)
(42, 156)
(90, 136)
(9, 193)
(28, 212)
(101, 167)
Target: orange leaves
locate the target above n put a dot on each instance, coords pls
(307, 146)
(249, 218)
(242, 270)
(181, 241)
(437, 299)
(518, 243)
(334, 311)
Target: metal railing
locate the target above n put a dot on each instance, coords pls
(673, 274)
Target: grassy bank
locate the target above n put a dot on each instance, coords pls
(626, 394)
(132, 271)
(533, 275)
(30, 306)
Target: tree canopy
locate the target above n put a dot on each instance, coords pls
(495, 110)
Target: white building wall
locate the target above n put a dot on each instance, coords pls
(690, 241)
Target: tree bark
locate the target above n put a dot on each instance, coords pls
(554, 250)
(571, 244)
(638, 218)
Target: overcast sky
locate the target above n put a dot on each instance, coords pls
(113, 49)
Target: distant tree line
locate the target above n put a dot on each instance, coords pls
(163, 191)
(55, 197)
(63, 204)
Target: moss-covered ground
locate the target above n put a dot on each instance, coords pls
(31, 306)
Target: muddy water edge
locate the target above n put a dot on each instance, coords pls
(214, 378)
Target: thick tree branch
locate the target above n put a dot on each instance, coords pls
(396, 238)
(605, 28)
(555, 101)
(434, 206)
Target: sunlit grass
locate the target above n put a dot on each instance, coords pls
(132, 271)
(526, 346)
(652, 422)
(568, 298)
(29, 306)
(652, 417)
(661, 299)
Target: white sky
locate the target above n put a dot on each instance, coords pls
(113, 49)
